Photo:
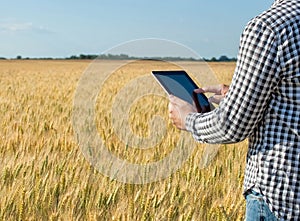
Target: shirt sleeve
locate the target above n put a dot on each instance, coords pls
(255, 77)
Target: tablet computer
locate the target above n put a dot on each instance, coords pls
(180, 84)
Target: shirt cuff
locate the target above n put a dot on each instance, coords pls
(189, 121)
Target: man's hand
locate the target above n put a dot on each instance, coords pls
(218, 90)
(178, 110)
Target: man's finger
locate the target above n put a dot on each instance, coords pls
(212, 89)
(216, 99)
(199, 90)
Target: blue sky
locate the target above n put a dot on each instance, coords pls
(61, 28)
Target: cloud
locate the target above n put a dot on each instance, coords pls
(13, 27)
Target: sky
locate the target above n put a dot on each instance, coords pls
(61, 28)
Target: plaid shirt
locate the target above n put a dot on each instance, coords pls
(263, 104)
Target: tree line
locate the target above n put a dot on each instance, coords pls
(222, 58)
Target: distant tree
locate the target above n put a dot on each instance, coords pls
(19, 57)
(124, 56)
(82, 56)
(73, 57)
(224, 58)
(213, 59)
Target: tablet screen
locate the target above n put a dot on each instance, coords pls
(179, 84)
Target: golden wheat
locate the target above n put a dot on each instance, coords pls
(45, 176)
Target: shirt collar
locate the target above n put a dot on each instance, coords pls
(277, 2)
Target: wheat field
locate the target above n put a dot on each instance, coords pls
(45, 176)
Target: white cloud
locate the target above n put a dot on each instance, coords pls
(16, 27)
(12, 27)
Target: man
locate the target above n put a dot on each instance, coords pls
(263, 105)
